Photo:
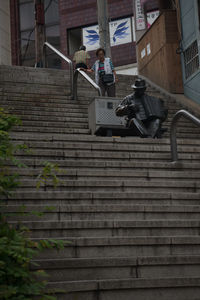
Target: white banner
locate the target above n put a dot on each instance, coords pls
(120, 33)
(91, 37)
(151, 17)
(140, 18)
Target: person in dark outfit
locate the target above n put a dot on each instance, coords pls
(145, 113)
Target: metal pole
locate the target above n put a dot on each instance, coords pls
(103, 21)
(39, 32)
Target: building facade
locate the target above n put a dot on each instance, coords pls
(72, 23)
(5, 39)
(189, 12)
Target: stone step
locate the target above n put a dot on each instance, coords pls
(107, 229)
(43, 120)
(107, 155)
(34, 79)
(101, 247)
(74, 114)
(36, 112)
(99, 212)
(98, 139)
(114, 147)
(112, 165)
(69, 123)
(19, 97)
(35, 89)
(114, 185)
(51, 129)
(65, 174)
(141, 289)
(102, 198)
(24, 97)
(129, 216)
(140, 267)
(52, 113)
(44, 103)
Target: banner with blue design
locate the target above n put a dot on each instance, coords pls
(120, 33)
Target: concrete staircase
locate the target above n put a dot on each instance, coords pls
(131, 217)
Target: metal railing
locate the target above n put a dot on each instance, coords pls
(75, 81)
(65, 58)
(173, 139)
(73, 75)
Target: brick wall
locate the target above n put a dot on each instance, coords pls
(150, 5)
(84, 13)
(80, 13)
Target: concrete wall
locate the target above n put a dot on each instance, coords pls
(5, 40)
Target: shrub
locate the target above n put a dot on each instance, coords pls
(17, 281)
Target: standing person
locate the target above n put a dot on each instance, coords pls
(81, 58)
(105, 74)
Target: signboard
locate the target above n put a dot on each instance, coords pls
(151, 17)
(140, 18)
(148, 49)
(120, 33)
(143, 53)
(91, 37)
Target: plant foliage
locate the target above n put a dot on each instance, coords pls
(17, 280)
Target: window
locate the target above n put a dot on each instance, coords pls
(191, 59)
(74, 37)
(53, 37)
(26, 16)
(28, 48)
(52, 13)
(27, 26)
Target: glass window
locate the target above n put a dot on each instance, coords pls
(27, 45)
(74, 37)
(27, 25)
(52, 13)
(53, 35)
(27, 16)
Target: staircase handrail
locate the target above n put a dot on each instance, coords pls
(173, 126)
(65, 58)
(88, 78)
(73, 75)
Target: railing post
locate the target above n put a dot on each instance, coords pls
(73, 75)
(173, 140)
(44, 55)
(46, 44)
(75, 83)
(75, 79)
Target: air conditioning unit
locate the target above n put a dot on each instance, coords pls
(101, 114)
